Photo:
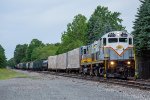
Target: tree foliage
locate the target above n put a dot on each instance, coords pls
(75, 36)
(35, 51)
(142, 30)
(20, 53)
(35, 43)
(2, 57)
(101, 22)
(43, 52)
(11, 63)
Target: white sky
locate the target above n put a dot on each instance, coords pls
(23, 20)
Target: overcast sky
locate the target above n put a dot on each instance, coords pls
(23, 20)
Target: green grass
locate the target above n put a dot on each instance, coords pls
(8, 74)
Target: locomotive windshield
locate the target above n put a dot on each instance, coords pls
(113, 40)
(123, 40)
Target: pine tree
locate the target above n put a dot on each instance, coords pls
(2, 58)
(142, 30)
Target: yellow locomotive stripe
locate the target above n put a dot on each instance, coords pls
(87, 60)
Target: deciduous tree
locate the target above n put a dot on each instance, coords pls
(34, 44)
(101, 22)
(20, 53)
(2, 57)
(11, 63)
(75, 36)
(43, 52)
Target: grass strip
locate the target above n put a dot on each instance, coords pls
(8, 74)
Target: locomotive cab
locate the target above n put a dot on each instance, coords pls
(86, 54)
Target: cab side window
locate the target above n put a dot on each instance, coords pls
(104, 41)
(130, 41)
(84, 51)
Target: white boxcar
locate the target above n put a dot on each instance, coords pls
(62, 61)
(74, 59)
(52, 62)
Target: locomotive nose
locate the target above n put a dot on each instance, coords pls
(119, 49)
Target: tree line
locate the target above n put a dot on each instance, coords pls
(82, 31)
(2, 57)
(36, 50)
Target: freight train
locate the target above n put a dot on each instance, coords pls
(112, 55)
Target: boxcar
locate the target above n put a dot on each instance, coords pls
(52, 62)
(74, 60)
(61, 61)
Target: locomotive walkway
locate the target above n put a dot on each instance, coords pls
(39, 86)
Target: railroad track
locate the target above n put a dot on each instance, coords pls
(141, 84)
(131, 83)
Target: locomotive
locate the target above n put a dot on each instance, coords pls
(112, 55)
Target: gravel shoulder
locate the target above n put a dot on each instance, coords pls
(40, 86)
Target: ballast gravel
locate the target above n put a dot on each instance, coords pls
(39, 86)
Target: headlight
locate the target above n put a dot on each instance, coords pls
(128, 62)
(112, 63)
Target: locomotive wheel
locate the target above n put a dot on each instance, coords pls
(125, 75)
(101, 71)
(83, 71)
(96, 72)
(91, 73)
